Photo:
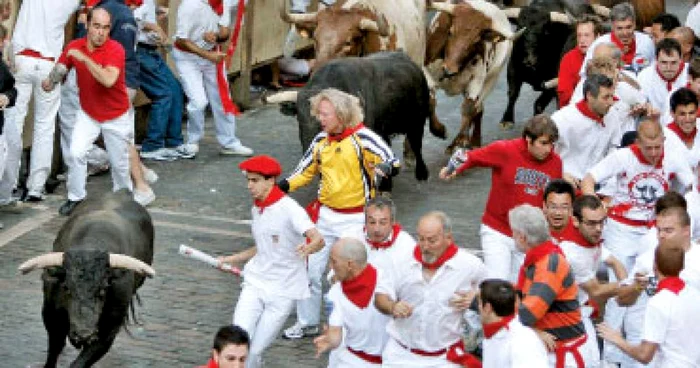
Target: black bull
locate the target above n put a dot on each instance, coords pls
(393, 91)
(99, 260)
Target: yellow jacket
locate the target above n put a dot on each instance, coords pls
(344, 183)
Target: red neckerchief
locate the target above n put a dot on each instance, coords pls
(275, 195)
(360, 289)
(345, 133)
(582, 106)
(388, 243)
(446, 255)
(491, 329)
(559, 235)
(685, 137)
(456, 353)
(669, 82)
(217, 6)
(210, 364)
(672, 284)
(627, 57)
(534, 255)
(637, 152)
(578, 239)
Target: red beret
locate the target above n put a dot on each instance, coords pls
(263, 165)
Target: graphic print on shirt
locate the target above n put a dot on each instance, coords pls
(533, 180)
(646, 188)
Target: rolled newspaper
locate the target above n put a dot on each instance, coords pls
(203, 257)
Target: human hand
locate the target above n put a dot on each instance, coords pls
(446, 175)
(4, 101)
(47, 85)
(572, 180)
(209, 37)
(76, 54)
(608, 333)
(401, 309)
(215, 56)
(303, 250)
(550, 342)
(322, 342)
(462, 299)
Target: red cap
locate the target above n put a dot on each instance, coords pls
(263, 165)
(136, 3)
(91, 3)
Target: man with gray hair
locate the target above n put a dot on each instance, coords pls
(549, 294)
(637, 47)
(426, 295)
(354, 321)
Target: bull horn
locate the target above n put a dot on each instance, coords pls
(514, 37)
(559, 17)
(601, 10)
(443, 7)
(552, 83)
(45, 260)
(131, 263)
(367, 24)
(297, 18)
(512, 12)
(286, 96)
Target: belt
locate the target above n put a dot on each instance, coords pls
(562, 349)
(422, 352)
(34, 54)
(376, 359)
(630, 222)
(147, 46)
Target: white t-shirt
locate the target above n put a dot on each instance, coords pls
(656, 89)
(645, 49)
(382, 258)
(146, 13)
(673, 322)
(276, 267)
(434, 325)
(363, 329)
(583, 142)
(516, 346)
(196, 17)
(584, 264)
(639, 185)
(40, 26)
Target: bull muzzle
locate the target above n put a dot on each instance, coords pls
(80, 339)
(447, 73)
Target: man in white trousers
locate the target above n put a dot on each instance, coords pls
(99, 64)
(507, 342)
(202, 26)
(37, 41)
(355, 321)
(275, 277)
(427, 295)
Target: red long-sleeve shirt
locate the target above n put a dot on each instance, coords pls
(569, 75)
(516, 178)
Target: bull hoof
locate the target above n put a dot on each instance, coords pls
(422, 173)
(507, 125)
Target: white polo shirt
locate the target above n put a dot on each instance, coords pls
(434, 324)
(673, 322)
(656, 89)
(645, 49)
(639, 185)
(583, 142)
(516, 346)
(363, 329)
(276, 267)
(196, 17)
(40, 26)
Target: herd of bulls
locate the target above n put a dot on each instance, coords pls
(462, 51)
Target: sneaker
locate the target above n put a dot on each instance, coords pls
(144, 198)
(33, 198)
(187, 150)
(68, 207)
(297, 331)
(161, 154)
(150, 176)
(236, 150)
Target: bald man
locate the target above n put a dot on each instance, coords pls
(686, 37)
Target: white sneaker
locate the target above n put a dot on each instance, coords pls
(161, 154)
(187, 150)
(298, 331)
(236, 150)
(144, 198)
(150, 176)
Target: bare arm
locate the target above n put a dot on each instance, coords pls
(588, 185)
(189, 46)
(597, 290)
(55, 77)
(386, 305)
(643, 353)
(315, 243)
(106, 76)
(330, 340)
(617, 267)
(240, 257)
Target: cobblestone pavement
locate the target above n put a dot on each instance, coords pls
(204, 203)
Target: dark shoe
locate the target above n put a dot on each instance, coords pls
(33, 199)
(68, 207)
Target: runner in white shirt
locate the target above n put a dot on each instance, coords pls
(355, 321)
(665, 76)
(671, 321)
(693, 19)
(383, 237)
(427, 295)
(275, 277)
(681, 132)
(507, 342)
(37, 41)
(637, 47)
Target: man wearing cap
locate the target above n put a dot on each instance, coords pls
(275, 275)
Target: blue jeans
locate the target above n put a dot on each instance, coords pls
(163, 89)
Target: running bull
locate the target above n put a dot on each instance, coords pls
(100, 258)
(468, 44)
(394, 92)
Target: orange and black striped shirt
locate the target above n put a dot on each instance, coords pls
(550, 298)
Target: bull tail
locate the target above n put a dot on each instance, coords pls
(436, 127)
(131, 314)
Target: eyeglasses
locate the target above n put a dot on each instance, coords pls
(556, 207)
(595, 223)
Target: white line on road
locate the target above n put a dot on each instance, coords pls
(195, 215)
(202, 229)
(26, 226)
